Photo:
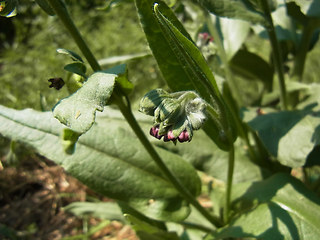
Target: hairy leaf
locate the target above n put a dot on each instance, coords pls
(280, 207)
(78, 110)
(74, 56)
(237, 9)
(102, 210)
(110, 160)
(288, 135)
(184, 67)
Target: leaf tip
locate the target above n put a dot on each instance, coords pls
(155, 7)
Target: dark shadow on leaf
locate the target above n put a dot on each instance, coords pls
(313, 158)
(272, 127)
(266, 192)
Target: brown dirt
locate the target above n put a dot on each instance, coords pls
(31, 200)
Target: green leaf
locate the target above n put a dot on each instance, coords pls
(233, 33)
(213, 161)
(8, 8)
(285, 27)
(242, 64)
(73, 55)
(45, 7)
(308, 8)
(123, 58)
(280, 207)
(122, 80)
(110, 160)
(146, 231)
(77, 68)
(102, 210)
(176, 79)
(237, 9)
(288, 135)
(184, 67)
(78, 110)
(69, 140)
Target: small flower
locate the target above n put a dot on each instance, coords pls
(176, 115)
(204, 38)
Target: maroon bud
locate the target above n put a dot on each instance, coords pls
(169, 137)
(184, 136)
(154, 131)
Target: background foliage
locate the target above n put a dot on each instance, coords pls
(109, 158)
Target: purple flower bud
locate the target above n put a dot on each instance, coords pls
(154, 131)
(169, 137)
(184, 136)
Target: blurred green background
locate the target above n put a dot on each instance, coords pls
(28, 44)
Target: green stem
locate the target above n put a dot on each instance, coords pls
(60, 9)
(229, 185)
(278, 62)
(63, 14)
(303, 49)
(164, 169)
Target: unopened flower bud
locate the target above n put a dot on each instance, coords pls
(167, 111)
(184, 136)
(176, 115)
(151, 101)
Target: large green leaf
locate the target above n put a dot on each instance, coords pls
(78, 111)
(280, 207)
(233, 33)
(214, 162)
(237, 9)
(308, 8)
(288, 135)
(209, 158)
(102, 210)
(176, 79)
(242, 64)
(184, 68)
(108, 159)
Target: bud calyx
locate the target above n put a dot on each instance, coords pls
(176, 115)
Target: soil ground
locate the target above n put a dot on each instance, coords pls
(32, 197)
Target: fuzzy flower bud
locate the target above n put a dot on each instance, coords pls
(176, 115)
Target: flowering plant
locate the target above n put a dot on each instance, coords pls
(252, 145)
(176, 115)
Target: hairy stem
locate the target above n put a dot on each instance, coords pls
(64, 16)
(278, 62)
(229, 185)
(175, 182)
(60, 9)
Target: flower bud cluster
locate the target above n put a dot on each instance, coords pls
(176, 115)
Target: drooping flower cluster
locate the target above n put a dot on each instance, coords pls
(176, 115)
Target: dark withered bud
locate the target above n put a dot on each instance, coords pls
(56, 83)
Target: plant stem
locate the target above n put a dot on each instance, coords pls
(60, 9)
(278, 62)
(63, 14)
(164, 169)
(229, 185)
